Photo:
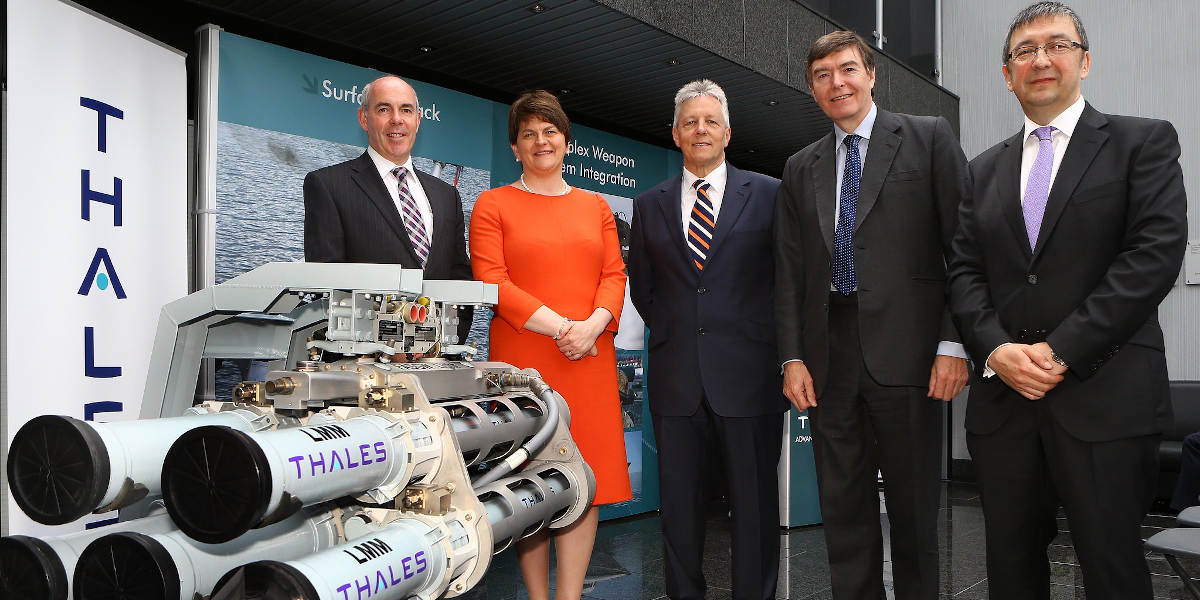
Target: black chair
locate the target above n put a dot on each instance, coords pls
(1185, 539)
(1185, 400)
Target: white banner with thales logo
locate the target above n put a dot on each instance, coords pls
(95, 228)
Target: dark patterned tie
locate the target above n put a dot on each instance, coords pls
(701, 223)
(413, 222)
(844, 279)
(1037, 187)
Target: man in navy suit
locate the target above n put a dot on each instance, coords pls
(701, 274)
(1073, 233)
(378, 208)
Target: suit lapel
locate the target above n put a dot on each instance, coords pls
(880, 152)
(669, 196)
(366, 176)
(1008, 179)
(1085, 142)
(732, 203)
(824, 178)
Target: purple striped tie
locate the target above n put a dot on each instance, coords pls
(413, 222)
(1037, 187)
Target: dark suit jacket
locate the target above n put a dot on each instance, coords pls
(711, 333)
(912, 183)
(349, 216)
(1110, 247)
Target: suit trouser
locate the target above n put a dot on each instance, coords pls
(1028, 468)
(861, 428)
(689, 449)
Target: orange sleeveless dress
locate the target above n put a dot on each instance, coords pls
(561, 251)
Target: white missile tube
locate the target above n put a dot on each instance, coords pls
(171, 565)
(61, 468)
(218, 482)
(403, 559)
(43, 571)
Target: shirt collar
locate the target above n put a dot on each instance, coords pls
(863, 130)
(385, 166)
(1064, 122)
(716, 178)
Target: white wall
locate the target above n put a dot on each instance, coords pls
(1145, 61)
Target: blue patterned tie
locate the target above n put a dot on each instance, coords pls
(1037, 187)
(414, 223)
(701, 223)
(844, 279)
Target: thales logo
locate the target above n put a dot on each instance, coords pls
(101, 279)
(326, 88)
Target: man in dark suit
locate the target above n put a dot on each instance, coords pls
(866, 215)
(1074, 232)
(377, 208)
(701, 275)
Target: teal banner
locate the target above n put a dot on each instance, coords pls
(284, 113)
(271, 87)
(802, 504)
(596, 160)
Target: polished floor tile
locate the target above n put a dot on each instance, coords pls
(627, 563)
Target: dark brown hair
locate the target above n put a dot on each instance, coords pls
(540, 104)
(1044, 10)
(834, 41)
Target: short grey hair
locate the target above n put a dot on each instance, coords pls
(1037, 12)
(696, 89)
(365, 102)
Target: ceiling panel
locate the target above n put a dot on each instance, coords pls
(612, 71)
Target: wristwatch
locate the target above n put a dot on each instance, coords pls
(1058, 359)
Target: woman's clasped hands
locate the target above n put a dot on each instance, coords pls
(577, 339)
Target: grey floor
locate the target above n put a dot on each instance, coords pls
(627, 562)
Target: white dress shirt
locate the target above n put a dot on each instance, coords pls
(716, 192)
(392, 184)
(1064, 126)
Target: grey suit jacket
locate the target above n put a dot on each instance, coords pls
(913, 180)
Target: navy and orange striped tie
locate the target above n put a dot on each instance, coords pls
(701, 223)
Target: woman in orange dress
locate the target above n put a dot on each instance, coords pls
(553, 252)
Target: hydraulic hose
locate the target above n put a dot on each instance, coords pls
(539, 439)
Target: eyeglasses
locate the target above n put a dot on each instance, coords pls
(1057, 48)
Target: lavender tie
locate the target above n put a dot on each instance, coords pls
(1037, 188)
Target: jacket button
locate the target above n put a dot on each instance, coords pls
(701, 290)
(1032, 279)
(700, 331)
